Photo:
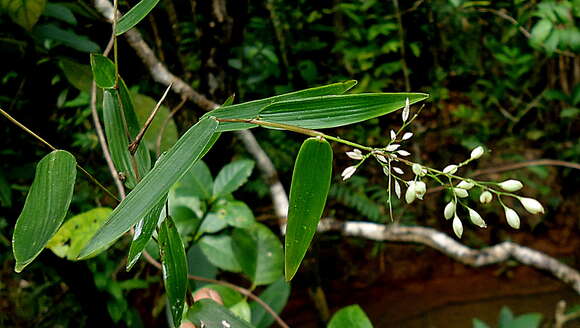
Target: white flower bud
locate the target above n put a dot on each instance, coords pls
(386, 170)
(461, 193)
(449, 210)
(476, 218)
(420, 189)
(417, 169)
(392, 147)
(477, 152)
(406, 110)
(450, 169)
(410, 194)
(348, 172)
(407, 136)
(531, 205)
(485, 197)
(465, 185)
(457, 226)
(355, 154)
(403, 152)
(512, 217)
(393, 135)
(381, 158)
(511, 185)
(398, 170)
(397, 189)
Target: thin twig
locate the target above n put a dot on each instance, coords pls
(237, 288)
(37, 137)
(133, 145)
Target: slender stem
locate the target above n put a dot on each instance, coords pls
(133, 145)
(37, 137)
(115, 52)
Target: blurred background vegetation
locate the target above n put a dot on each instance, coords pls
(505, 74)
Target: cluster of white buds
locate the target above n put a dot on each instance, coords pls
(391, 155)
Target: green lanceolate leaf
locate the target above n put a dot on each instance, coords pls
(276, 296)
(143, 232)
(214, 315)
(350, 317)
(142, 155)
(135, 15)
(75, 233)
(249, 110)
(103, 71)
(336, 110)
(155, 184)
(46, 206)
(308, 191)
(231, 177)
(174, 265)
(117, 138)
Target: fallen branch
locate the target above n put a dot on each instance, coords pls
(452, 248)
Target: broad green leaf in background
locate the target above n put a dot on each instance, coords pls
(227, 212)
(143, 232)
(350, 317)
(61, 12)
(45, 207)
(214, 315)
(174, 265)
(242, 310)
(78, 75)
(230, 297)
(218, 250)
(245, 250)
(155, 184)
(308, 192)
(336, 110)
(75, 233)
(270, 261)
(135, 15)
(143, 107)
(231, 177)
(66, 37)
(250, 110)
(103, 71)
(276, 296)
(199, 265)
(23, 12)
(479, 324)
(528, 320)
(5, 192)
(197, 182)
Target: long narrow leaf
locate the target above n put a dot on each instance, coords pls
(135, 15)
(155, 184)
(174, 264)
(143, 232)
(45, 207)
(336, 110)
(249, 110)
(308, 192)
